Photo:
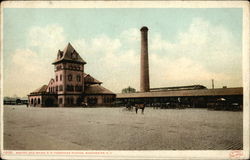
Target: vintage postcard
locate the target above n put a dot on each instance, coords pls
(125, 80)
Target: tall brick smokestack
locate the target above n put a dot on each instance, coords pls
(144, 87)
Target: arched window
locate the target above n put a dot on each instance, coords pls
(70, 77)
(78, 78)
(79, 101)
(38, 101)
(67, 100)
(31, 100)
(60, 100)
(72, 100)
(60, 88)
(74, 55)
(35, 102)
(78, 88)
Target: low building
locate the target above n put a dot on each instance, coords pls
(71, 86)
(196, 96)
(15, 101)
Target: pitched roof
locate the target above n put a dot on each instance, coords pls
(69, 54)
(191, 87)
(88, 79)
(51, 80)
(40, 90)
(185, 93)
(97, 89)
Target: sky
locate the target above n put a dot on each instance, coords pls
(187, 46)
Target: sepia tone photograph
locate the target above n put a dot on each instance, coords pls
(124, 80)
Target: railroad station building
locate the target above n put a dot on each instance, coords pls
(71, 85)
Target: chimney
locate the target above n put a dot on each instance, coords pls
(144, 86)
(212, 83)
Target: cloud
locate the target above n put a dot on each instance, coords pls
(200, 53)
(181, 71)
(131, 36)
(27, 73)
(31, 66)
(47, 37)
(108, 61)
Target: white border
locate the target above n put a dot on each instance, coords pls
(197, 154)
(1, 81)
(124, 4)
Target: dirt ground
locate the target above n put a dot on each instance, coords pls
(118, 129)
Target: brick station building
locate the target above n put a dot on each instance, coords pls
(71, 86)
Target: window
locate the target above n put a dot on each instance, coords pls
(70, 88)
(78, 88)
(78, 78)
(70, 100)
(56, 78)
(38, 101)
(70, 77)
(60, 77)
(60, 54)
(74, 55)
(58, 67)
(31, 100)
(60, 100)
(56, 88)
(60, 88)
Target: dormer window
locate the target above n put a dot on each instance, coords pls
(74, 55)
(60, 54)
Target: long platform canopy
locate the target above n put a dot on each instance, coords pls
(185, 93)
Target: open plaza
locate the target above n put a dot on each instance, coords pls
(107, 128)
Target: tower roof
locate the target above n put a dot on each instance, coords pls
(69, 54)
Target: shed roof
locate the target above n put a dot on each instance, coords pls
(69, 54)
(97, 89)
(185, 93)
